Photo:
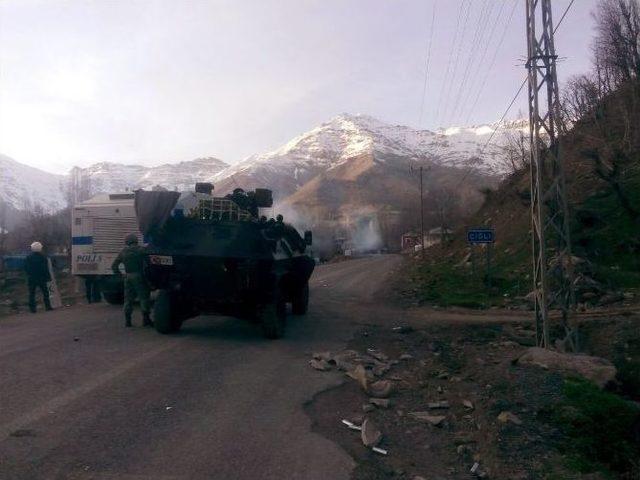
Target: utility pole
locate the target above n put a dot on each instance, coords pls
(421, 215)
(552, 276)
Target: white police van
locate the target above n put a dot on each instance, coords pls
(98, 228)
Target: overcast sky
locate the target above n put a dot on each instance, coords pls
(154, 81)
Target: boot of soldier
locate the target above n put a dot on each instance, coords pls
(146, 320)
(127, 320)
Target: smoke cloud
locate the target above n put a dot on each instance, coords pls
(352, 229)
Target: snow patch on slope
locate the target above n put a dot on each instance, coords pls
(108, 177)
(347, 136)
(24, 187)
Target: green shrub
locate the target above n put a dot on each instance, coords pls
(629, 376)
(598, 428)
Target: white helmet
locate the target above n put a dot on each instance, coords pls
(36, 247)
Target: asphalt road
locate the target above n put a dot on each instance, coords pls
(81, 397)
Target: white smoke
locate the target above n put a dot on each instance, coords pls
(352, 229)
(365, 233)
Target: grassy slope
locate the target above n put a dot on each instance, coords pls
(601, 231)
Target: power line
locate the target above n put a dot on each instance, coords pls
(467, 94)
(498, 125)
(426, 71)
(525, 80)
(493, 60)
(472, 50)
(563, 15)
(513, 100)
(457, 59)
(476, 43)
(474, 46)
(446, 73)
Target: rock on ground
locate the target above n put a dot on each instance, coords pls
(371, 436)
(596, 369)
(321, 365)
(380, 402)
(505, 417)
(359, 374)
(380, 389)
(435, 420)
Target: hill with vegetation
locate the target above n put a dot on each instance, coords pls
(601, 152)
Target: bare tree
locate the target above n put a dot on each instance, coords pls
(51, 229)
(612, 168)
(580, 99)
(78, 186)
(516, 152)
(616, 47)
(444, 205)
(608, 99)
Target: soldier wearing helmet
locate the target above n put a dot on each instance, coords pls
(131, 256)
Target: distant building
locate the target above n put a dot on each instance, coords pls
(409, 240)
(435, 236)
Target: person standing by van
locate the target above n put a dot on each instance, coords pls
(135, 285)
(37, 268)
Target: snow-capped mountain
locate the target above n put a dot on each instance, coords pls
(115, 177)
(348, 136)
(23, 187)
(326, 148)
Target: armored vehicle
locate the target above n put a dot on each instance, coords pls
(215, 255)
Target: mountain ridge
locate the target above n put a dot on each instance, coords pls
(285, 169)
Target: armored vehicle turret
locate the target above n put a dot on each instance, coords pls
(216, 255)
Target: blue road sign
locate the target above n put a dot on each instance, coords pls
(481, 235)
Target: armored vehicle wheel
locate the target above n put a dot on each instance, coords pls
(300, 300)
(164, 316)
(274, 318)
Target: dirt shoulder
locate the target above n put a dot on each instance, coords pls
(497, 415)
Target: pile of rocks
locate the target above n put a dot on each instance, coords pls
(367, 370)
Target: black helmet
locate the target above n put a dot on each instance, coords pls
(131, 239)
(279, 218)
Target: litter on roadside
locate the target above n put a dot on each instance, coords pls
(379, 450)
(352, 425)
(402, 329)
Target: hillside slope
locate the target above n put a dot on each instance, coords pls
(22, 187)
(374, 198)
(605, 234)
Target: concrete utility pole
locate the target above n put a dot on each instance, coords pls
(549, 210)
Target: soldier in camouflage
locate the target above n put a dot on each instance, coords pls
(135, 285)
